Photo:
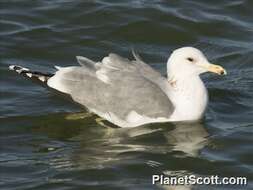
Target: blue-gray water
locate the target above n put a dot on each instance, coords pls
(43, 146)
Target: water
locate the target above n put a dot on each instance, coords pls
(44, 145)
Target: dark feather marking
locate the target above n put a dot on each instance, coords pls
(36, 76)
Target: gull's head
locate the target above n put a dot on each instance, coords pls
(191, 61)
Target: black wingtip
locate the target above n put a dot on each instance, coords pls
(18, 69)
(14, 67)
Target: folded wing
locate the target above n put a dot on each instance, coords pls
(116, 87)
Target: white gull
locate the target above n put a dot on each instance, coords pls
(131, 93)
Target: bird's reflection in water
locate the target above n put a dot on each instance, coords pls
(188, 138)
(155, 148)
(150, 145)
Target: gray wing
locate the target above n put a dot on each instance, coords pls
(115, 85)
(147, 71)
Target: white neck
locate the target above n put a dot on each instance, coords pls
(189, 97)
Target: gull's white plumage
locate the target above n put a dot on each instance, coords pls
(186, 90)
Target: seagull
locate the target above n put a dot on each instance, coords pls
(130, 93)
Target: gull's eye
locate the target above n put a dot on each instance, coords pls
(190, 59)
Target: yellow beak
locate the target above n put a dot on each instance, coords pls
(216, 69)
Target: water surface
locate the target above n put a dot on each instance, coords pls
(45, 146)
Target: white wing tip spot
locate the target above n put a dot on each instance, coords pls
(11, 67)
(29, 75)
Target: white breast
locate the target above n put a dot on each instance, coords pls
(190, 99)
